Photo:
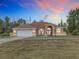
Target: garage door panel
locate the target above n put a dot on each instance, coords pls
(24, 33)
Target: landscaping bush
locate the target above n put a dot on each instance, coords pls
(75, 32)
(5, 34)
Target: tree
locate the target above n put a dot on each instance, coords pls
(15, 24)
(61, 24)
(41, 20)
(7, 22)
(73, 22)
(34, 21)
(24, 21)
(1, 25)
(21, 21)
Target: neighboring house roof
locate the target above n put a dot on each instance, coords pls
(36, 25)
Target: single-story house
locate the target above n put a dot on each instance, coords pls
(38, 29)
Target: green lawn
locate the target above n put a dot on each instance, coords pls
(40, 49)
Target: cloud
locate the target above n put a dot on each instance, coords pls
(55, 18)
(51, 5)
(43, 4)
(27, 3)
(57, 6)
(61, 1)
(74, 5)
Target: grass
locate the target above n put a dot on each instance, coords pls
(40, 49)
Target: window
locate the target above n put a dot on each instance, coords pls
(41, 31)
(33, 31)
(58, 30)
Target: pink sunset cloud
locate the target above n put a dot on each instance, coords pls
(43, 4)
(51, 5)
(61, 1)
(75, 5)
(56, 6)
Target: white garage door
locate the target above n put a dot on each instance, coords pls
(24, 33)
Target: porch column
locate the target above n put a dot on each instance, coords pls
(36, 32)
(45, 31)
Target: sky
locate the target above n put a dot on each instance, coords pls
(48, 10)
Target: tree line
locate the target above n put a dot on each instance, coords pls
(6, 24)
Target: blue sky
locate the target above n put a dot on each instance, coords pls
(48, 10)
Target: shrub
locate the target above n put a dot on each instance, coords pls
(5, 34)
(75, 32)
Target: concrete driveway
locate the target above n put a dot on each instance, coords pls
(4, 40)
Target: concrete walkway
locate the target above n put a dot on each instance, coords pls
(4, 40)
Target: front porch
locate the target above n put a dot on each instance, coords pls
(46, 31)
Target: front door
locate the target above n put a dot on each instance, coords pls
(49, 31)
